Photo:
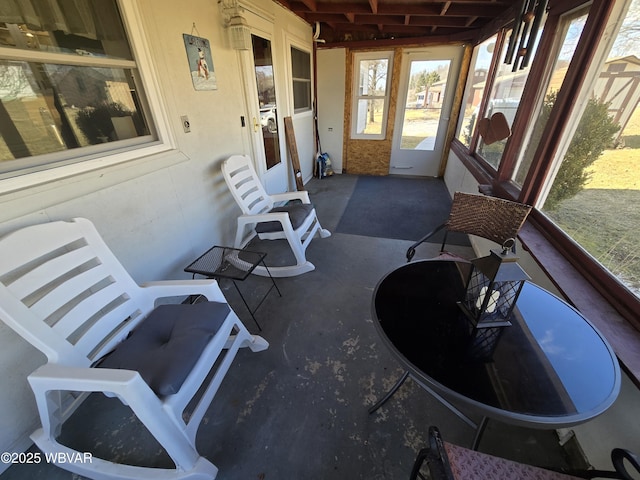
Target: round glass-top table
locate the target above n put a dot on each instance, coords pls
(551, 368)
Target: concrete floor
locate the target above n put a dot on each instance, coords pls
(299, 409)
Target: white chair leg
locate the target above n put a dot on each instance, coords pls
(143, 403)
(99, 469)
(298, 248)
(255, 343)
(241, 241)
(297, 245)
(288, 271)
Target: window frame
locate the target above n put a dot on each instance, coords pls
(358, 57)
(469, 90)
(294, 79)
(499, 182)
(85, 159)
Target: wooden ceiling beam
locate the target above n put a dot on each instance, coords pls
(449, 9)
(411, 9)
(299, 7)
(388, 20)
(440, 22)
(392, 30)
(406, 19)
(310, 4)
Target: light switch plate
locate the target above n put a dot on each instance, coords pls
(185, 123)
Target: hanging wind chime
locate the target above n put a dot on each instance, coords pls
(525, 30)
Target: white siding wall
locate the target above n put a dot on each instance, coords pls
(156, 213)
(331, 78)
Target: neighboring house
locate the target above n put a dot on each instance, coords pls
(619, 85)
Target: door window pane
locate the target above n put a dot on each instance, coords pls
(425, 96)
(263, 61)
(595, 192)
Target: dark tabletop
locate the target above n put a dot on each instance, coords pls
(551, 368)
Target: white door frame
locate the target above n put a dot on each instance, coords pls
(424, 162)
(275, 179)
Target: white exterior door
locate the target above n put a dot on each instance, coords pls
(427, 86)
(264, 121)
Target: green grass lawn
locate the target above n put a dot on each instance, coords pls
(605, 217)
(605, 223)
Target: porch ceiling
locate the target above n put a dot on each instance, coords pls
(401, 20)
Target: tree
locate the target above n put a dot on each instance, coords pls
(376, 72)
(95, 122)
(14, 84)
(426, 80)
(593, 135)
(627, 40)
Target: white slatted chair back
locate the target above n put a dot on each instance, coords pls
(245, 186)
(64, 291)
(293, 219)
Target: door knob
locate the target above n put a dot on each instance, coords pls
(256, 125)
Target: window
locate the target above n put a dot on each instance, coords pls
(301, 73)
(593, 188)
(371, 95)
(69, 87)
(568, 36)
(506, 92)
(503, 84)
(476, 83)
(573, 147)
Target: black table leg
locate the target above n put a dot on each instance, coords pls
(479, 432)
(390, 393)
(247, 305)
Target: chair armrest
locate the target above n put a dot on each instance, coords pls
(85, 379)
(127, 385)
(174, 288)
(411, 251)
(618, 457)
(286, 196)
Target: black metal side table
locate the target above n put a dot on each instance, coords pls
(234, 264)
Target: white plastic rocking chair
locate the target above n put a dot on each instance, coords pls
(63, 290)
(296, 222)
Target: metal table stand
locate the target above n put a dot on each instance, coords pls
(234, 264)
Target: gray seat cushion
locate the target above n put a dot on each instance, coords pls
(298, 212)
(168, 343)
